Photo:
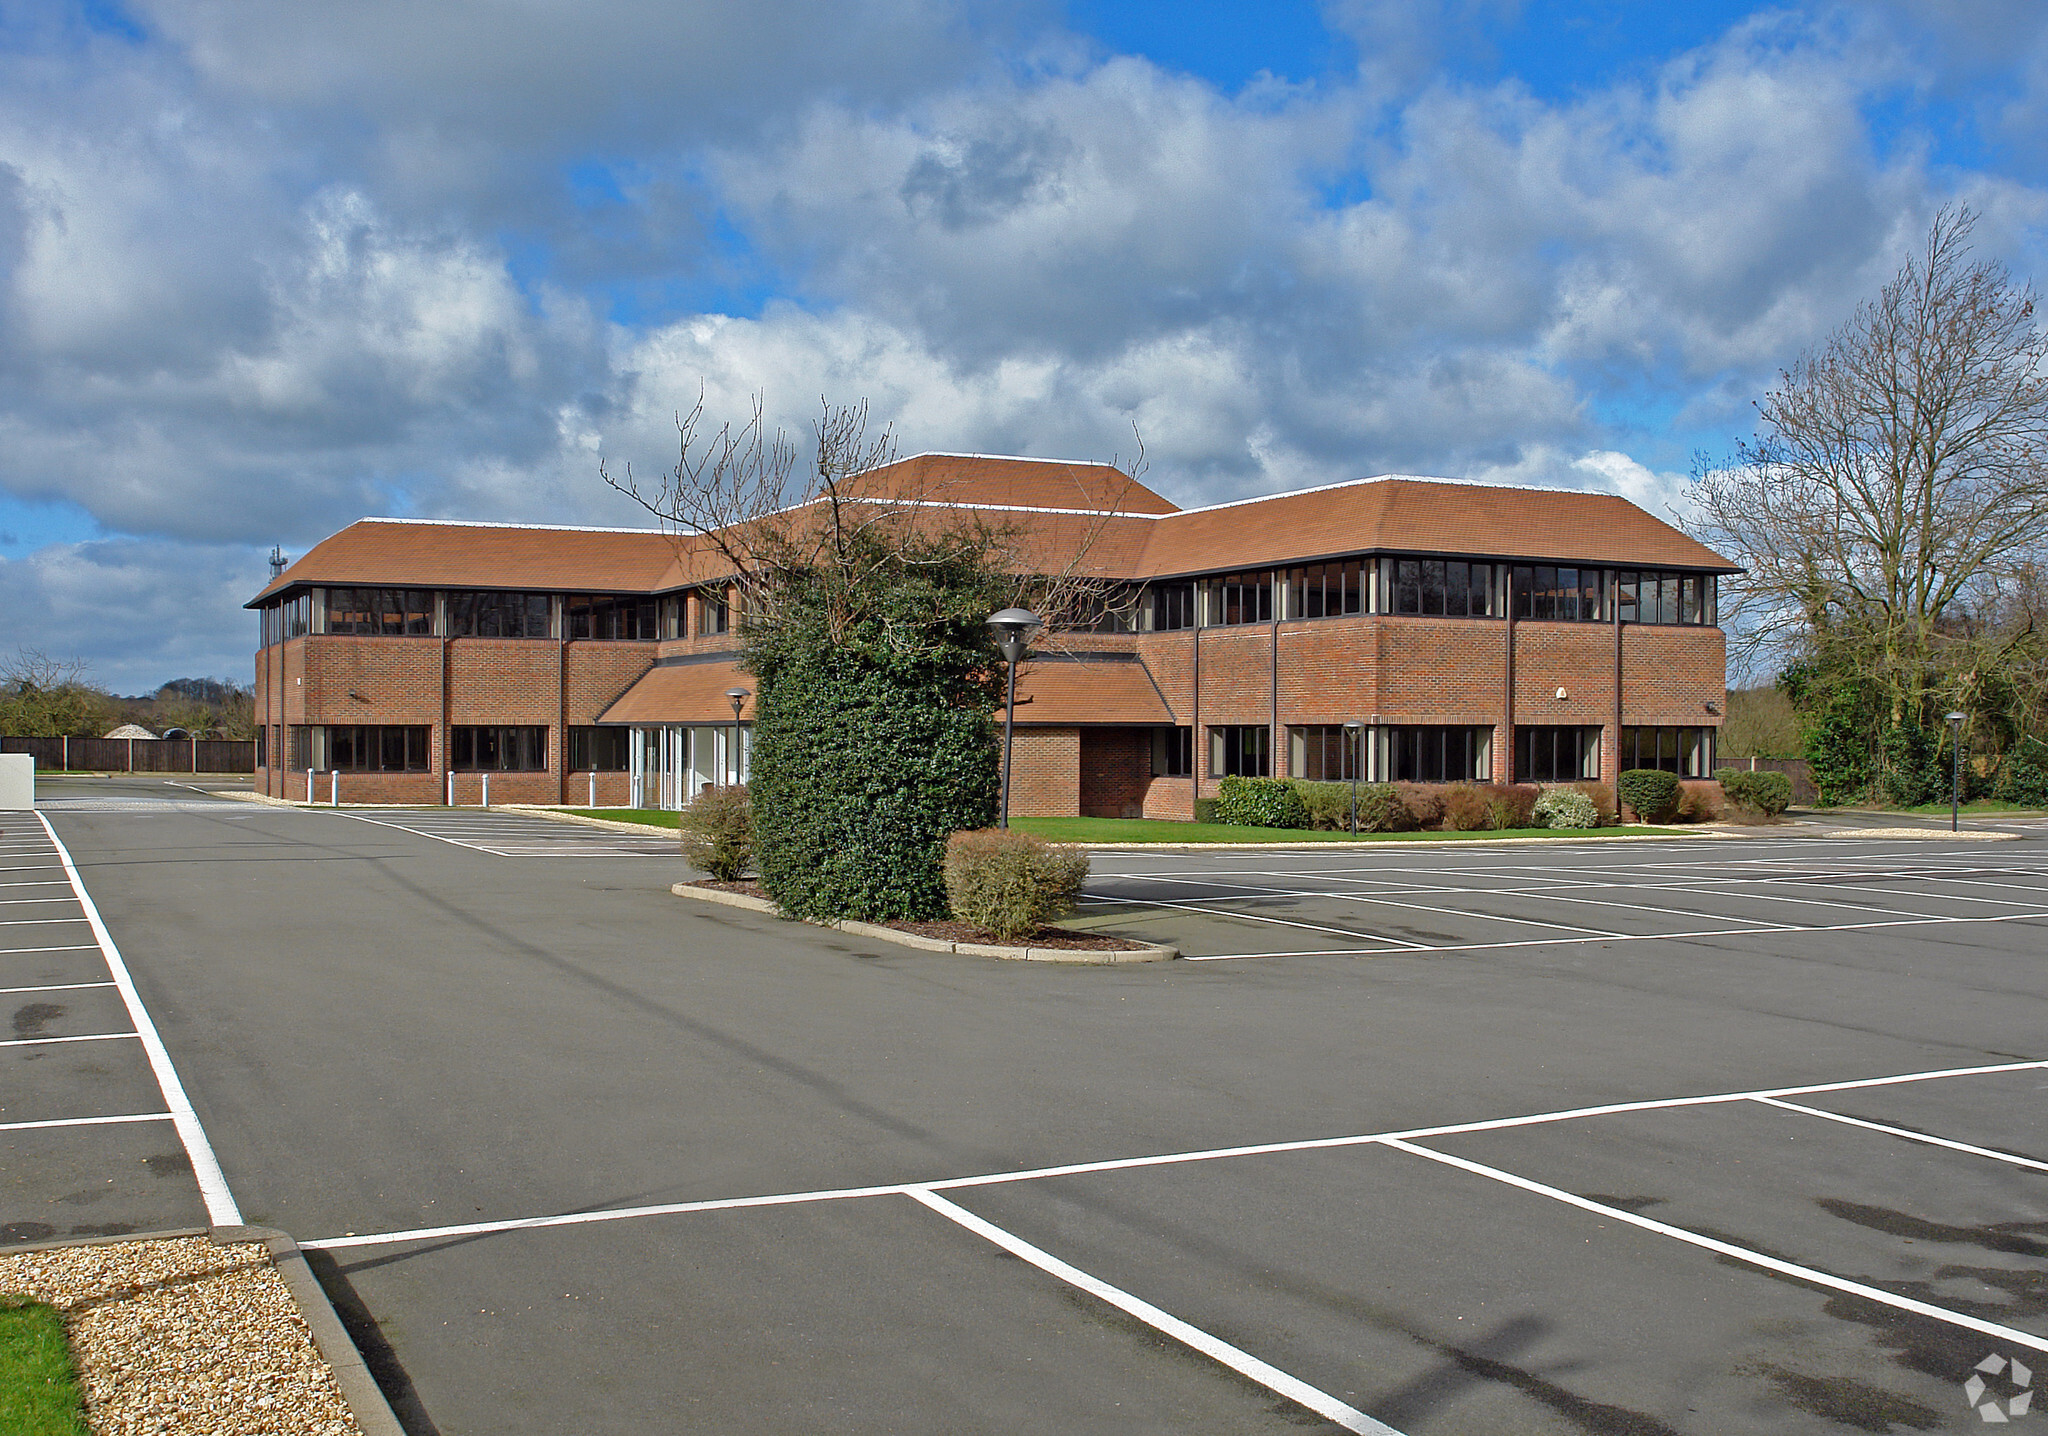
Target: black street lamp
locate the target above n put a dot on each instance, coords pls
(739, 697)
(1353, 731)
(1955, 792)
(1013, 628)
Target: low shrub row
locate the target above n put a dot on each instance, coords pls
(1409, 807)
(1763, 794)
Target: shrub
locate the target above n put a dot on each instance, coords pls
(1425, 805)
(1696, 804)
(1260, 803)
(1759, 794)
(1566, 808)
(1205, 810)
(1011, 884)
(1602, 798)
(717, 831)
(1510, 807)
(1465, 808)
(1328, 804)
(1381, 809)
(1651, 793)
(2023, 778)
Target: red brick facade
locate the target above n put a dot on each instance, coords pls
(1101, 716)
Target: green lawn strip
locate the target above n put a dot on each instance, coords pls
(1975, 805)
(1160, 830)
(648, 817)
(38, 1386)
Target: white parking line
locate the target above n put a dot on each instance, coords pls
(35, 921)
(1164, 1159)
(221, 1210)
(1242, 1362)
(1905, 1132)
(90, 1037)
(1729, 1249)
(86, 1121)
(64, 947)
(54, 987)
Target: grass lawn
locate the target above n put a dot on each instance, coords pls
(38, 1389)
(651, 817)
(1975, 805)
(1159, 830)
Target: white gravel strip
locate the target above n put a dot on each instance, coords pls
(179, 1337)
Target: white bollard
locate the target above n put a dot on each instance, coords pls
(309, 785)
(593, 792)
(334, 787)
(451, 787)
(487, 791)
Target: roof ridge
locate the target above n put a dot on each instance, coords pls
(1003, 458)
(495, 524)
(1402, 479)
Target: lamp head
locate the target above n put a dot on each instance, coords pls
(1013, 629)
(1957, 717)
(1354, 727)
(739, 696)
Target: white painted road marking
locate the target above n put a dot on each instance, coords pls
(1906, 1133)
(85, 1121)
(1242, 1362)
(221, 1210)
(90, 1037)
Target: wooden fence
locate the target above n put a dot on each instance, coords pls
(138, 755)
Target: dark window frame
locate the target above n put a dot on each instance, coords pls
(1556, 753)
(380, 612)
(1240, 750)
(612, 745)
(1436, 753)
(1173, 752)
(489, 613)
(498, 748)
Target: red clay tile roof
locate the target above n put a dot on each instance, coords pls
(415, 554)
(683, 693)
(991, 481)
(1420, 516)
(1065, 692)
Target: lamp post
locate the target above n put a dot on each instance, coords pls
(739, 697)
(1955, 792)
(1353, 731)
(1013, 629)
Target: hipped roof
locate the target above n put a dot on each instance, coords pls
(683, 693)
(1059, 513)
(1088, 690)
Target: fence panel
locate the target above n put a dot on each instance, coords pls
(139, 755)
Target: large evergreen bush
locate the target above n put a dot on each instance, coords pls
(1652, 793)
(1260, 803)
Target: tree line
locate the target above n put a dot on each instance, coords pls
(1892, 515)
(45, 697)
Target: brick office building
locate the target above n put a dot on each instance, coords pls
(1477, 632)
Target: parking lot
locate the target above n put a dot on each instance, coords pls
(1714, 1136)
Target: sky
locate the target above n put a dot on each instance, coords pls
(267, 268)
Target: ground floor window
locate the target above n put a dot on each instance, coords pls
(600, 750)
(1323, 752)
(1556, 755)
(375, 748)
(1244, 751)
(1434, 754)
(300, 754)
(499, 748)
(1173, 752)
(1688, 752)
(262, 733)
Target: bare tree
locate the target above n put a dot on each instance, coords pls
(45, 697)
(1898, 482)
(737, 500)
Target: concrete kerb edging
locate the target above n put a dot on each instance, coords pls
(359, 1388)
(556, 815)
(1096, 958)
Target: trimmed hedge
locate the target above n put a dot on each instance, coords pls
(1260, 803)
(1010, 884)
(717, 832)
(1566, 808)
(1651, 792)
(1764, 792)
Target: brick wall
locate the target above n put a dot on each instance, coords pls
(1045, 772)
(1115, 772)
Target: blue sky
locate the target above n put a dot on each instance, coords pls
(269, 267)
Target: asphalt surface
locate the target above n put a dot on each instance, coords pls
(448, 1025)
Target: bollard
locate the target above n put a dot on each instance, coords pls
(451, 787)
(309, 785)
(486, 802)
(334, 787)
(593, 791)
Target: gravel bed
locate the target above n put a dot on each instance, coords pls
(948, 930)
(180, 1337)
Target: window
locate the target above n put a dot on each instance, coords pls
(588, 615)
(1436, 755)
(1556, 755)
(380, 612)
(714, 614)
(1324, 753)
(262, 745)
(1559, 595)
(1240, 751)
(1326, 590)
(288, 618)
(1437, 587)
(498, 615)
(1688, 752)
(301, 753)
(1173, 752)
(1241, 598)
(500, 748)
(1648, 597)
(376, 748)
(599, 750)
(1173, 606)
